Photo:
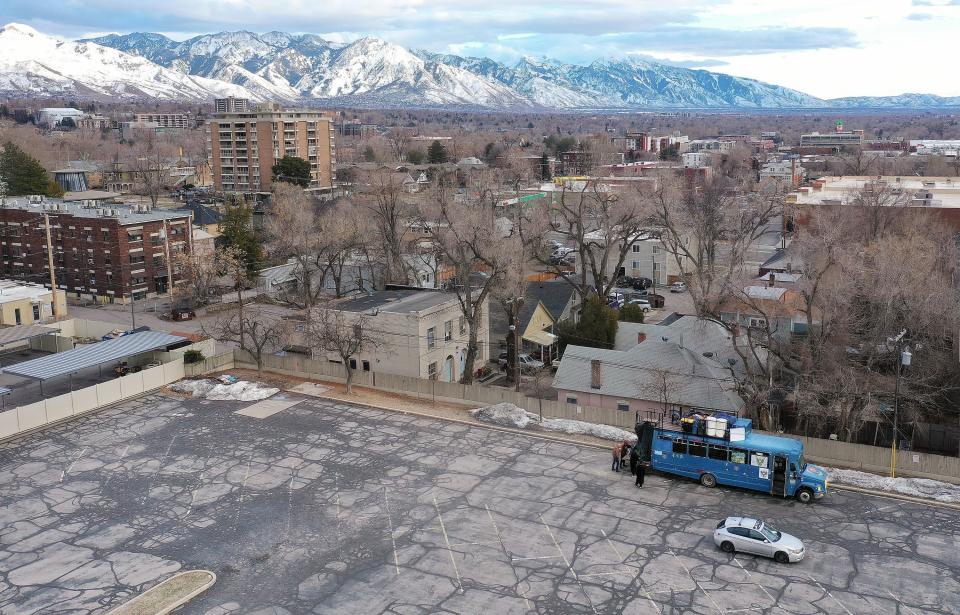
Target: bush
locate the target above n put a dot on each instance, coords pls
(631, 313)
(193, 356)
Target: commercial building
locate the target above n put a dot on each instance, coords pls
(28, 304)
(421, 333)
(832, 139)
(52, 116)
(181, 121)
(231, 105)
(94, 122)
(102, 253)
(245, 146)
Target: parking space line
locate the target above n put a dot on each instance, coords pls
(621, 559)
(453, 560)
(112, 474)
(496, 530)
(567, 562)
(901, 604)
(750, 576)
(520, 559)
(471, 544)
(396, 559)
(159, 467)
(827, 592)
(64, 473)
(242, 487)
(697, 583)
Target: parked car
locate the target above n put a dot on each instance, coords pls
(749, 535)
(640, 283)
(615, 300)
(643, 304)
(527, 363)
(567, 259)
(678, 287)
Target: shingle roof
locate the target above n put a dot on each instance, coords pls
(697, 381)
(555, 296)
(203, 215)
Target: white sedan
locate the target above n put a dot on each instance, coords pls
(748, 535)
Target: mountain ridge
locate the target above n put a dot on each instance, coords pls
(308, 69)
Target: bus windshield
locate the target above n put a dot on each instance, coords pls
(802, 463)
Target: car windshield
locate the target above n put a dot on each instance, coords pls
(769, 533)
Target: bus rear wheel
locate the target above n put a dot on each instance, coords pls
(708, 480)
(804, 495)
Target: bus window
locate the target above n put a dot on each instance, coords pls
(738, 455)
(680, 446)
(697, 449)
(718, 453)
(759, 459)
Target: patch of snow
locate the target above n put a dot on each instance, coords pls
(211, 389)
(510, 415)
(916, 487)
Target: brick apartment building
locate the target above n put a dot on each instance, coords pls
(180, 121)
(100, 253)
(244, 147)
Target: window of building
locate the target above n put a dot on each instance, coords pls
(431, 338)
(680, 447)
(635, 265)
(697, 449)
(758, 323)
(623, 406)
(656, 250)
(432, 371)
(366, 366)
(353, 364)
(571, 400)
(36, 311)
(636, 248)
(463, 326)
(448, 331)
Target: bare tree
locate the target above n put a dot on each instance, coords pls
(295, 235)
(234, 267)
(198, 274)
(149, 160)
(345, 334)
(399, 141)
(662, 385)
(255, 330)
(383, 196)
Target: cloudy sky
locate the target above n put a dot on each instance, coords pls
(827, 48)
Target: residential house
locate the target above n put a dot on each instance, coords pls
(652, 378)
(649, 256)
(421, 333)
(205, 218)
(760, 307)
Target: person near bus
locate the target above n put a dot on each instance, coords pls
(641, 474)
(617, 452)
(634, 458)
(623, 453)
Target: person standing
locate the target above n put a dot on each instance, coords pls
(641, 471)
(617, 451)
(634, 458)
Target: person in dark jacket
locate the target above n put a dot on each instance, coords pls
(641, 472)
(634, 458)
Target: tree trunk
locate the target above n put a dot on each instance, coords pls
(349, 377)
(243, 345)
(467, 376)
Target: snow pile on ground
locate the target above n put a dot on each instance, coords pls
(916, 487)
(509, 415)
(211, 389)
(504, 414)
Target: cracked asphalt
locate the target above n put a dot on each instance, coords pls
(329, 508)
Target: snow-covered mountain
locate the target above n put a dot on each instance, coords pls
(35, 64)
(372, 72)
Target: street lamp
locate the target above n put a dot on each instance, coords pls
(905, 358)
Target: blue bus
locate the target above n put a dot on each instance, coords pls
(738, 457)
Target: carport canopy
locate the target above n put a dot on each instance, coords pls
(18, 333)
(78, 359)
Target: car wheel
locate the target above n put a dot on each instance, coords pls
(804, 495)
(708, 480)
(727, 547)
(781, 557)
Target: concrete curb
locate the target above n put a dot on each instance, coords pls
(129, 607)
(562, 440)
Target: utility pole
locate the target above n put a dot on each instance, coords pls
(53, 273)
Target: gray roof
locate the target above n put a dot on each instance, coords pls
(397, 301)
(696, 381)
(78, 359)
(125, 214)
(18, 333)
(555, 296)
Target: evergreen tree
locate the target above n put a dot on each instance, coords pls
(236, 231)
(369, 155)
(436, 153)
(415, 156)
(597, 327)
(292, 170)
(545, 168)
(23, 174)
(631, 313)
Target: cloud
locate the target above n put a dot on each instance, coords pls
(919, 16)
(935, 3)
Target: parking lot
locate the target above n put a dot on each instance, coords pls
(324, 507)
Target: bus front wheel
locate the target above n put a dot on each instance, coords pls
(708, 480)
(804, 495)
